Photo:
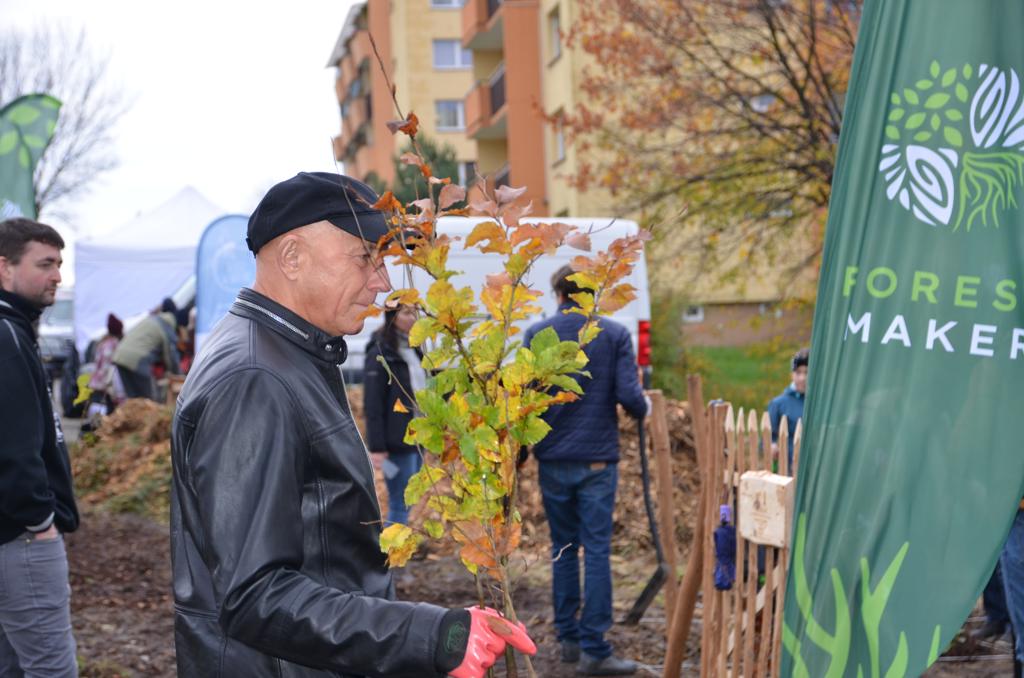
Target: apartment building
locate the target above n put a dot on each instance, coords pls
(419, 43)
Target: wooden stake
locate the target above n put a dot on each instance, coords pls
(728, 498)
(739, 465)
(768, 611)
(749, 444)
(686, 601)
(666, 504)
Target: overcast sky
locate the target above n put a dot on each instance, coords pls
(229, 97)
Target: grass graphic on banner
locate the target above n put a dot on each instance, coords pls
(837, 644)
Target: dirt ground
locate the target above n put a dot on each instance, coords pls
(123, 614)
(121, 582)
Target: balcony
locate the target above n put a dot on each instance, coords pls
(482, 24)
(485, 108)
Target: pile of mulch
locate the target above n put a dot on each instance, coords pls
(125, 465)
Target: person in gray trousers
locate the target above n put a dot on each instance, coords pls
(37, 503)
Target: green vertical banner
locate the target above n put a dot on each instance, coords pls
(913, 456)
(26, 128)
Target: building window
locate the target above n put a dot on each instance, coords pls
(558, 138)
(693, 314)
(451, 116)
(467, 173)
(446, 4)
(448, 54)
(555, 33)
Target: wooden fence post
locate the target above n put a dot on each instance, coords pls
(666, 505)
(682, 618)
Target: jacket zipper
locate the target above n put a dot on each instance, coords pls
(369, 463)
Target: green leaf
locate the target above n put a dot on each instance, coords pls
(23, 157)
(8, 141)
(949, 77)
(432, 405)
(23, 114)
(895, 99)
(934, 69)
(916, 120)
(953, 137)
(544, 341)
(935, 122)
(533, 430)
(896, 114)
(33, 141)
(937, 100)
(911, 96)
(434, 528)
(968, 71)
(924, 85)
(422, 329)
(49, 102)
(961, 92)
(923, 136)
(421, 482)
(954, 115)
(566, 383)
(892, 133)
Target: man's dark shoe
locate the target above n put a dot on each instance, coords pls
(990, 629)
(609, 666)
(570, 652)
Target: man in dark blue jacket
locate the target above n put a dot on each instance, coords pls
(578, 474)
(37, 503)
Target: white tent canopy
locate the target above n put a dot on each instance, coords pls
(129, 270)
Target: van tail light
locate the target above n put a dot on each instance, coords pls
(643, 354)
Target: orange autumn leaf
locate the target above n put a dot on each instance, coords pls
(400, 407)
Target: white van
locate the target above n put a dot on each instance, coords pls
(474, 266)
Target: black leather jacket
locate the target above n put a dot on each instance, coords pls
(274, 519)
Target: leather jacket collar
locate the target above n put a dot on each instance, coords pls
(299, 331)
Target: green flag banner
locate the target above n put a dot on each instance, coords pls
(913, 456)
(26, 128)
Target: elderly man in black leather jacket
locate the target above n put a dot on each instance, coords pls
(274, 518)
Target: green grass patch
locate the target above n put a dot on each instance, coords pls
(747, 376)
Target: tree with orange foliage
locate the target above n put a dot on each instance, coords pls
(731, 107)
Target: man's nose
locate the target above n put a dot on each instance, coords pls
(380, 281)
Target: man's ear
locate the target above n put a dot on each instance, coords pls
(6, 274)
(290, 254)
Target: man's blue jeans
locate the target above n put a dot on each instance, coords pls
(407, 463)
(1012, 563)
(578, 499)
(35, 614)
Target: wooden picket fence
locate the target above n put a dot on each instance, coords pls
(742, 627)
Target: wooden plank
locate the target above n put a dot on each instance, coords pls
(729, 496)
(783, 446)
(738, 452)
(798, 438)
(666, 504)
(780, 598)
(750, 440)
(715, 665)
(710, 482)
(768, 610)
(686, 601)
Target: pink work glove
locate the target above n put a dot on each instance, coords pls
(489, 632)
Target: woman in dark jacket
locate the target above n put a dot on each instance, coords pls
(385, 428)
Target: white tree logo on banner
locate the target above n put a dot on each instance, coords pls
(954, 149)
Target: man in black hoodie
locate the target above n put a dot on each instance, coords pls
(37, 503)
